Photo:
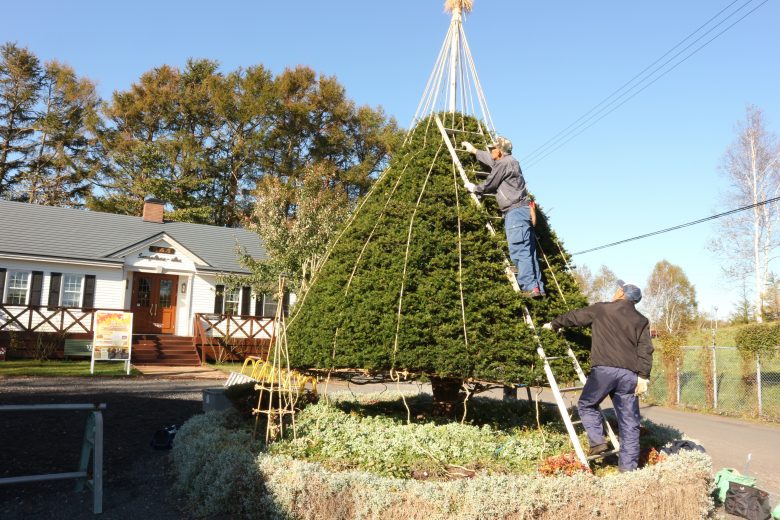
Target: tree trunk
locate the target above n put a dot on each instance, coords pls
(448, 397)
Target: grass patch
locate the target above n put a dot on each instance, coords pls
(62, 368)
(227, 367)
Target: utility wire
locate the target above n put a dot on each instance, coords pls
(585, 121)
(712, 217)
(543, 146)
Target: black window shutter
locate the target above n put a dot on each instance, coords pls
(259, 305)
(55, 280)
(2, 283)
(219, 298)
(286, 304)
(36, 288)
(89, 292)
(246, 300)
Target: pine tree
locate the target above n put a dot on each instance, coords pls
(416, 283)
(20, 80)
(61, 167)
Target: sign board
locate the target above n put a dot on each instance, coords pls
(113, 338)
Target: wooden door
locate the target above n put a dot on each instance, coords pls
(154, 303)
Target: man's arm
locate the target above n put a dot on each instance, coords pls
(577, 318)
(644, 353)
(494, 180)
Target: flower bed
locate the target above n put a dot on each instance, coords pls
(346, 463)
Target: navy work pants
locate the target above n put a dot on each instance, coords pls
(619, 384)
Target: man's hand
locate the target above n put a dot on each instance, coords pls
(641, 386)
(469, 147)
(470, 186)
(547, 326)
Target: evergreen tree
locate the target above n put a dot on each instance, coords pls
(62, 164)
(416, 283)
(20, 81)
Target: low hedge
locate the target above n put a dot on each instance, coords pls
(222, 471)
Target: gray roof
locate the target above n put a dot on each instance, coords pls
(53, 232)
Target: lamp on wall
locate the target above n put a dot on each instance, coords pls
(184, 288)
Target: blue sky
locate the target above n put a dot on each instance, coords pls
(651, 164)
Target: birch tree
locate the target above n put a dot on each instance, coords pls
(669, 298)
(747, 241)
(598, 287)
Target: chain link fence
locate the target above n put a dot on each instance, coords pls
(720, 380)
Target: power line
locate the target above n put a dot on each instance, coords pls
(534, 152)
(712, 217)
(593, 116)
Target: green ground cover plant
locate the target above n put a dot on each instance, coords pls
(62, 368)
(359, 457)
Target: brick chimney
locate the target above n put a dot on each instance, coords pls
(153, 210)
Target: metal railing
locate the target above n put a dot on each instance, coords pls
(92, 447)
(719, 379)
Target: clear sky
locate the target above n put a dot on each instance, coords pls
(651, 164)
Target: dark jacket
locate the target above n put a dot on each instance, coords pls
(621, 335)
(505, 180)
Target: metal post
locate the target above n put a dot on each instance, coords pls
(715, 363)
(678, 383)
(758, 384)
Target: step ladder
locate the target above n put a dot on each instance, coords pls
(558, 392)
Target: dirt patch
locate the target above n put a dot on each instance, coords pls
(137, 483)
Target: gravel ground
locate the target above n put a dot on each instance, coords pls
(136, 477)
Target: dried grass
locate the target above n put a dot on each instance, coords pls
(465, 5)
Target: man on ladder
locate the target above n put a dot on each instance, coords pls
(621, 358)
(507, 182)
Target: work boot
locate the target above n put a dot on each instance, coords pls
(598, 449)
(535, 294)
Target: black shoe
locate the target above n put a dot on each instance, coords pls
(598, 449)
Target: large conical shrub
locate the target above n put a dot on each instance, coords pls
(416, 282)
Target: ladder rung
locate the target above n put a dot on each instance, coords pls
(604, 454)
(458, 130)
(576, 422)
(549, 358)
(571, 389)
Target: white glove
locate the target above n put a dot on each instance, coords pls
(641, 386)
(547, 326)
(469, 147)
(470, 186)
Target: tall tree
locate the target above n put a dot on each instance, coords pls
(597, 287)
(670, 298)
(748, 240)
(62, 164)
(415, 283)
(20, 81)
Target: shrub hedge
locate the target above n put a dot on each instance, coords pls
(221, 471)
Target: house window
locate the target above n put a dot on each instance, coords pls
(232, 300)
(71, 290)
(18, 287)
(270, 303)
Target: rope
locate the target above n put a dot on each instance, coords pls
(460, 266)
(549, 267)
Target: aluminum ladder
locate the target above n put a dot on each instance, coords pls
(556, 390)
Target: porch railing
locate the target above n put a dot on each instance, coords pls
(213, 331)
(28, 318)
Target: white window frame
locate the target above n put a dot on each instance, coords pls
(81, 290)
(9, 275)
(237, 301)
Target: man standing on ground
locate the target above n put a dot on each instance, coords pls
(507, 182)
(621, 357)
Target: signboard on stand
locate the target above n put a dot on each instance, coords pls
(113, 338)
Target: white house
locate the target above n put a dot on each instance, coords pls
(59, 264)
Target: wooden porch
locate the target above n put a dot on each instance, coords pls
(40, 332)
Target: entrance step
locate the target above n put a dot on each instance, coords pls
(164, 350)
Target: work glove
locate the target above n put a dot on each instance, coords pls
(548, 326)
(641, 386)
(469, 147)
(471, 186)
